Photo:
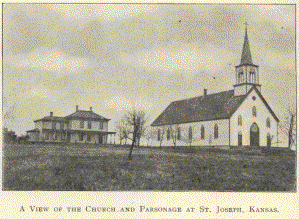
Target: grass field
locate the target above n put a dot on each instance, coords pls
(90, 167)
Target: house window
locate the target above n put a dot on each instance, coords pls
(61, 125)
(82, 124)
(54, 136)
(88, 137)
(254, 111)
(81, 136)
(216, 131)
(168, 134)
(54, 125)
(190, 133)
(179, 133)
(268, 123)
(46, 136)
(159, 134)
(62, 136)
(202, 132)
(89, 124)
(101, 125)
(239, 120)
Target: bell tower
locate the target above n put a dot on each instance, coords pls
(247, 73)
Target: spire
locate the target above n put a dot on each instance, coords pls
(246, 54)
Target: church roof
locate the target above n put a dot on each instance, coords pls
(246, 54)
(204, 108)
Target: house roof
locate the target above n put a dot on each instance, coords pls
(33, 130)
(82, 114)
(51, 118)
(204, 108)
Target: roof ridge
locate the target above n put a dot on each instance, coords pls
(202, 96)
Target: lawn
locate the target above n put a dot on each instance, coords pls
(52, 167)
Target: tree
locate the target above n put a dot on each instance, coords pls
(161, 134)
(133, 123)
(190, 135)
(149, 134)
(175, 133)
(288, 128)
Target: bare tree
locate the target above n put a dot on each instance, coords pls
(288, 128)
(190, 135)
(134, 122)
(175, 133)
(149, 134)
(161, 135)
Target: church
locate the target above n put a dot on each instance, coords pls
(237, 117)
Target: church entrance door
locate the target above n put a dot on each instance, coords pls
(254, 135)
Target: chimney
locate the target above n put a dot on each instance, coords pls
(77, 108)
(90, 109)
(205, 92)
(51, 114)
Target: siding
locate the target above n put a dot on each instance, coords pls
(223, 134)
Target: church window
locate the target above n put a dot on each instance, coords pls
(81, 124)
(190, 133)
(168, 134)
(240, 139)
(241, 77)
(216, 131)
(253, 98)
(179, 133)
(254, 111)
(268, 122)
(239, 120)
(159, 134)
(202, 132)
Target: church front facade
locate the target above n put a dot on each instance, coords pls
(238, 117)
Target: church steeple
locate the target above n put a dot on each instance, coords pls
(246, 54)
(247, 74)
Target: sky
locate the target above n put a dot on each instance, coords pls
(115, 57)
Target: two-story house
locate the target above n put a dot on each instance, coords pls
(79, 127)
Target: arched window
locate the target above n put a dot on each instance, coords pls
(241, 77)
(268, 122)
(190, 133)
(168, 134)
(254, 111)
(179, 133)
(240, 139)
(239, 120)
(202, 132)
(159, 135)
(216, 131)
(269, 139)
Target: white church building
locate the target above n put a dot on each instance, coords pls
(237, 117)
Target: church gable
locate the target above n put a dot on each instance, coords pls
(253, 113)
